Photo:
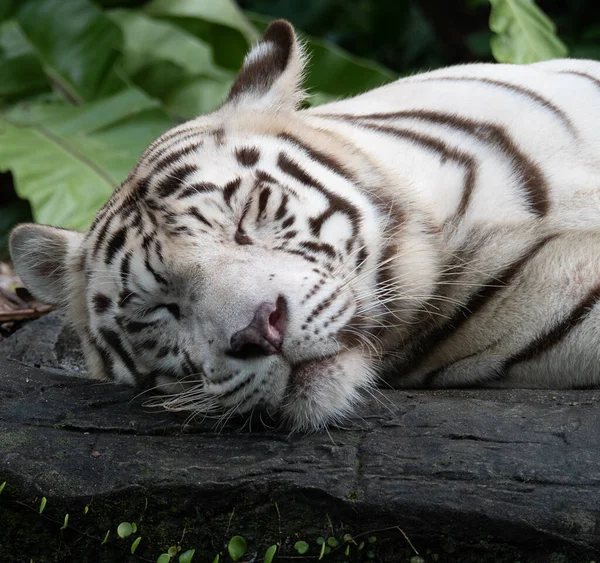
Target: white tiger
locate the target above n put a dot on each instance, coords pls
(443, 230)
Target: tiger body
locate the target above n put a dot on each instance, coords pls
(438, 231)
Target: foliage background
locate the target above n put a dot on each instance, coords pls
(87, 84)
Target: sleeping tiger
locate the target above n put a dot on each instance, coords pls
(442, 230)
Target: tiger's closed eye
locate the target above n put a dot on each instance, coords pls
(173, 308)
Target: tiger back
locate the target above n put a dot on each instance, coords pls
(438, 231)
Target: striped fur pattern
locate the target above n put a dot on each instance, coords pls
(443, 230)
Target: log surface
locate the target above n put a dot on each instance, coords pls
(517, 468)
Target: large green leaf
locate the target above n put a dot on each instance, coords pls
(76, 44)
(67, 160)
(219, 22)
(21, 72)
(168, 62)
(524, 34)
(223, 12)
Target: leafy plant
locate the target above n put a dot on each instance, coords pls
(236, 547)
(524, 34)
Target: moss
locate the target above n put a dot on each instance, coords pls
(11, 440)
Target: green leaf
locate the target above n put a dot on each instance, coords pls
(171, 64)
(124, 530)
(82, 153)
(78, 57)
(220, 23)
(322, 553)
(236, 547)
(524, 34)
(172, 551)
(22, 74)
(270, 554)
(42, 504)
(223, 12)
(2, 487)
(301, 547)
(86, 509)
(163, 558)
(135, 544)
(186, 556)
(134, 527)
(216, 559)
(65, 523)
(105, 540)
(332, 542)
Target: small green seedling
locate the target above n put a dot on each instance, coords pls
(2, 487)
(332, 542)
(216, 559)
(42, 504)
(270, 554)
(105, 540)
(186, 556)
(323, 546)
(135, 544)
(236, 547)
(65, 523)
(124, 530)
(164, 558)
(301, 547)
(172, 551)
(86, 509)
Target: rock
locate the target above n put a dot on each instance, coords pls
(471, 475)
(47, 342)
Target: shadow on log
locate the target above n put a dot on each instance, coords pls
(461, 475)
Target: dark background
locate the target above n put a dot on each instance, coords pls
(412, 35)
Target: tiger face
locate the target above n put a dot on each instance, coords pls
(234, 268)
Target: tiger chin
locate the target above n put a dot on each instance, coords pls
(442, 230)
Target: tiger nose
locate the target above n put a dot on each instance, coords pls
(264, 335)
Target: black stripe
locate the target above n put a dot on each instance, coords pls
(115, 244)
(521, 90)
(230, 189)
(336, 202)
(282, 209)
(113, 340)
(195, 212)
(155, 274)
(162, 145)
(561, 330)
(174, 180)
(195, 189)
(323, 159)
(105, 357)
(436, 145)
(532, 177)
(101, 303)
(318, 247)
(125, 267)
(477, 301)
(174, 156)
(247, 156)
(589, 77)
(288, 222)
(263, 200)
(101, 236)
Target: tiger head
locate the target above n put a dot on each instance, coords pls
(236, 267)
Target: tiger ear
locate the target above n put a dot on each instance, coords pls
(41, 255)
(271, 75)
